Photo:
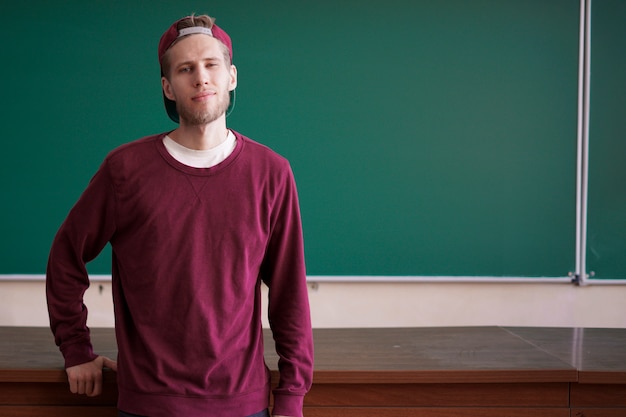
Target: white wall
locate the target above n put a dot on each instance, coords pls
(352, 304)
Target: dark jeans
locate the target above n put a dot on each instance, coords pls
(263, 413)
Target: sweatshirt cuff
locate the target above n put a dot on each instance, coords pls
(288, 405)
(77, 353)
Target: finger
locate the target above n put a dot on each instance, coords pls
(96, 388)
(88, 387)
(73, 385)
(111, 364)
(80, 386)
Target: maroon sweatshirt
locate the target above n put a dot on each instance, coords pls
(190, 249)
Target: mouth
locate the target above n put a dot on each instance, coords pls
(203, 96)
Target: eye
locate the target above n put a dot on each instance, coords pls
(185, 68)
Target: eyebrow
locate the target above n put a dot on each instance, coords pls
(192, 62)
(211, 58)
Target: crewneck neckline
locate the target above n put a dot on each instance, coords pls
(205, 158)
(239, 145)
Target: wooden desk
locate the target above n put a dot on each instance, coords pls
(402, 372)
(599, 355)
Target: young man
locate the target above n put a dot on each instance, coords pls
(197, 218)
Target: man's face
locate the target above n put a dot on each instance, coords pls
(199, 79)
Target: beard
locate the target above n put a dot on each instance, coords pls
(204, 116)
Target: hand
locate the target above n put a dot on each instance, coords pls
(86, 378)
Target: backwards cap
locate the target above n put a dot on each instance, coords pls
(171, 35)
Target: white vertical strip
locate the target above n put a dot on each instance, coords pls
(579, 132)
(582, 172)
(586, 115)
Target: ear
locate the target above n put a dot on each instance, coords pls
(167, 89)
(233, 78)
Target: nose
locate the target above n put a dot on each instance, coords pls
(202, 77)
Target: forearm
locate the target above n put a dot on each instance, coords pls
(81, 237)
(290, 322)
(67, 313)
(288, 308)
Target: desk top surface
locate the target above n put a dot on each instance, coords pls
(391, 355)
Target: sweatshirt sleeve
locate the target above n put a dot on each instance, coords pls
(82, 236)
(288, 309)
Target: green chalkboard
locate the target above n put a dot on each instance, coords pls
(606, 248)
(428, 138)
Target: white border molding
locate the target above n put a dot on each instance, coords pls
(582, 172)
